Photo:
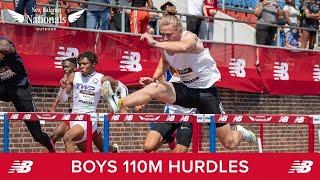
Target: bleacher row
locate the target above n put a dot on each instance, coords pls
(238, 5)
(248, 5)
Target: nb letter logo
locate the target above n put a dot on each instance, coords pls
(301, 167)
(280, 71)
(316, 73)
(21, 167)
(236, 67)
(63, 54)
(130, 62)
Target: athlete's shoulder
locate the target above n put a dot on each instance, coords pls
(188, 35)
(99, 74)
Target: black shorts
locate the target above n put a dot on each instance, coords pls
(21, 97)
(184, 132)
(205, 100)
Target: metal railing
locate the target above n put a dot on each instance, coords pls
(181, 15)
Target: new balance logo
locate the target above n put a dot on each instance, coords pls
(130, 62)
(21, 167)
(236, 67)
(280, 71)
(63, 54)
(301, 167)
(316, 73)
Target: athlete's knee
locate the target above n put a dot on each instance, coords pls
(148, 146)
(67, 138)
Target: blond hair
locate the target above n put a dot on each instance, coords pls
(170, 18)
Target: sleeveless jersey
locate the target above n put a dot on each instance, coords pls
(195, 70)
(86, 92)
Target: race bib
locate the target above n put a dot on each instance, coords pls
(86, 98)
(187, 75)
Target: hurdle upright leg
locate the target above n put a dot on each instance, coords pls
(311, 138)
(195, 139)
(106, 134)
(212, 130)
(6, 130)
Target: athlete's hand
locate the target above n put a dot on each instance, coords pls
(147, 37)
(139, 109)
(64, 82)
(146, 80)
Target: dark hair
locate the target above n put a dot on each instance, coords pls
(166, 5)
(293, 3)
(91, 56)
(171, 10)
(74, 61)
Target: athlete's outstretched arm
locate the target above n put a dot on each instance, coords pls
(185, 45)
(6, 47)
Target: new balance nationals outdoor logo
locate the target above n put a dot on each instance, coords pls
(21, 167)
(301, 167)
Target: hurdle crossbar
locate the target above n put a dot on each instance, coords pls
(37, 116)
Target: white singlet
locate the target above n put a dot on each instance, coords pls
(86, 95)
(195, 70)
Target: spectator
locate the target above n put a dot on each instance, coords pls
(194, 7)
(153, 19)
(139, 20)
(98, 16)
(291, 16)
(310, 19)
(115, 21)
(164, 6)
(28, 6)
(209, 10)
(267, 13)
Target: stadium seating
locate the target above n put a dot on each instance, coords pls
(247, 5)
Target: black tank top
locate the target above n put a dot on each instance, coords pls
(12, 71)
(138, 3)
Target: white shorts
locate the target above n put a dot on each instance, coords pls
(83, 124)
(175, 109)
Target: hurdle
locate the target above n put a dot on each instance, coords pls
(195, 119)
(310, 120)
(150, 117)
(35, 116)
